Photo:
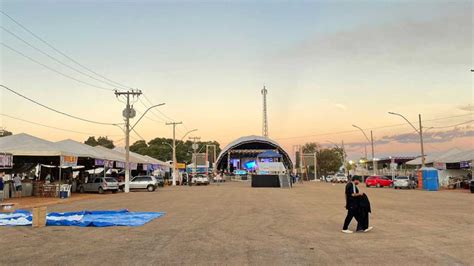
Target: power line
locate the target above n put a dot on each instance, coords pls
(63, 54)
(152, 111)
(54, 70)
(52, 127)
(463, 123)
(163, 114)
(57, 111)
(381, 127)
(55, 59)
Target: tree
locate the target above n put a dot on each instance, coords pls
(105, 142)
(4, 133)
(139, 146)
(329, 159)
(91, 141)
(101, 141)
(160, 148)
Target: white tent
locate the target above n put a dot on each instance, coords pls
(137, 158)
(82, 148)
(26, 145)
(438, 157)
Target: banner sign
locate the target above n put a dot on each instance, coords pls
(99, 162)
(133, 166)
(109, 164)
(439, 166)
(181, 166)
(145, 166)
(6, 161)
(465, 164)
(68, 160)
(120, 164)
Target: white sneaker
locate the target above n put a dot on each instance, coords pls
(347, 231)
(368, 229)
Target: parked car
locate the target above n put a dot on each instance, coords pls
(378, 181)
(403, 182)
(200, 180)
(144, 182)
(161, 181)
(100, 185)
(329, 178)
(340, 178)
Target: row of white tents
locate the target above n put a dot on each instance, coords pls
(460, 160)
(26, 145)
(450, 156)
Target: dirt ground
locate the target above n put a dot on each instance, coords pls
(235, 224)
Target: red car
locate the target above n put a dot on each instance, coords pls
(378, 181)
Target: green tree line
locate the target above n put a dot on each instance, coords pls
(160, 148)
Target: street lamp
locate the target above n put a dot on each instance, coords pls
(130, 113)
(419, 131)
(175, 169)
(371, 141)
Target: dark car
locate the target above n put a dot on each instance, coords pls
(471, 185)
(161, 181)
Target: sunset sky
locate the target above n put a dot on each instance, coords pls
(326, 65)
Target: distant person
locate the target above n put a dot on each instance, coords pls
(352, 197)
(2, 185)
(18, 185)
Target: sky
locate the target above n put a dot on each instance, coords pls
(326, 64)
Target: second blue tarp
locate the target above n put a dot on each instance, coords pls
(84, 218)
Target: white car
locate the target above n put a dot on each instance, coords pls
(200, 180)
(329, 178)
(340, 178)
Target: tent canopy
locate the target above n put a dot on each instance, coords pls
(26, 145)
(451, 156)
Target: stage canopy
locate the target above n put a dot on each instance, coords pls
(252, 145)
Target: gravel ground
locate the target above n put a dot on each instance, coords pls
(235, 224)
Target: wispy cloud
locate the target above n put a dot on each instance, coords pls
(467, 107)
(341, 106)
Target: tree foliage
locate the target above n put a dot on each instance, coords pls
(329, 159)
(160, 148)
(101, 141)
(4, 133)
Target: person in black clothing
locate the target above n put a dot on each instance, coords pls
(352, 195)
(358, 207)
(364, 210)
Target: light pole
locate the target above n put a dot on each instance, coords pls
(174, 148)
(128, 113)
(419, 131)
(371, 141)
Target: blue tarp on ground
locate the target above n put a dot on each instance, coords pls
(83, 218)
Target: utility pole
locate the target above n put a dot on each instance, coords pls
(373, 152)
(128, 113)
(421, 142)
(195, 147)
(371, 140)
(175, 171)
(265, 118)
(214, 148)
(419, 131)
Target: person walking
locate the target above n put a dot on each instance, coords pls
(2, 185)
(18, 187)
(364, 210)
(352, 207)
